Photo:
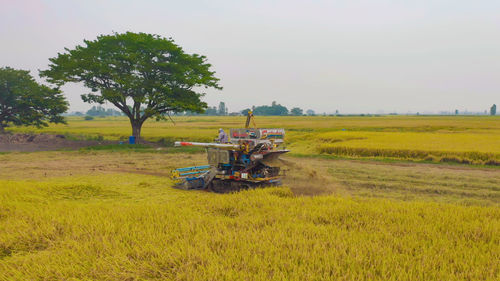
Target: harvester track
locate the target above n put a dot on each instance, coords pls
(228, 186)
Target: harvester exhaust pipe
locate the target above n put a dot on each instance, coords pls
(228, 146)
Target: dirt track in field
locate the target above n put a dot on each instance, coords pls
(42, 142)
(304, 176)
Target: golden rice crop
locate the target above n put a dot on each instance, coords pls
(136, 227)
(100, 215)
(478, 148)
(462, 139)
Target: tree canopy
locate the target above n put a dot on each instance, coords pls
(143, 75)
(274, 109)
(310, 112)
(296, 111)
(25, 102)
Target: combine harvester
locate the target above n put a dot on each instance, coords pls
(248, 160)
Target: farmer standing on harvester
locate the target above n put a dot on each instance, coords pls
(222, 136)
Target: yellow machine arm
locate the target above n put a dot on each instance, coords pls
(250, 117)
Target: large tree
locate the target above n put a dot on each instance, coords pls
(25, 102)
(143, 75)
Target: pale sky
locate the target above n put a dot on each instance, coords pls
(356, 56)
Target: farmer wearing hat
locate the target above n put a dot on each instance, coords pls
(222, 136)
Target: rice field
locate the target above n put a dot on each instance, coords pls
(104, 215)
(457, 139)
(356, 204)
(467, 148)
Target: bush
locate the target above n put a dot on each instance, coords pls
(88, 118)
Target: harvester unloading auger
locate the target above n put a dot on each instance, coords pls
(248, 160)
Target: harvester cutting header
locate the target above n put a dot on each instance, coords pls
(249, 159)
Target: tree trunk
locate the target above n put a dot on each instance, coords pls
(136, 130)
(2, 129)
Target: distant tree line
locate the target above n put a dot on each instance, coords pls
(221, 110)
(276, 109)
(493, 111)
(97, 111)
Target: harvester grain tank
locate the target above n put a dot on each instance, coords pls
(248, 160)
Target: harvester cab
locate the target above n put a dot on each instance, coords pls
(250, 159)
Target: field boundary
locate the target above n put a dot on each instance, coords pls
(477, 158)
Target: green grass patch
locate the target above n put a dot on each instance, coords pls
(117, 147)
(183, 149)
(142, 148)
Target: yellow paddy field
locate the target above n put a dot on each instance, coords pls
(461, 139)
(101, 215)
(110, 213)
